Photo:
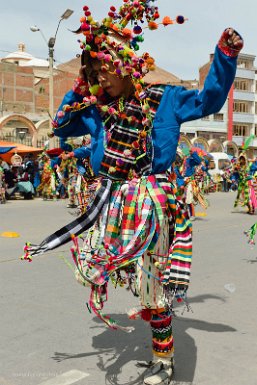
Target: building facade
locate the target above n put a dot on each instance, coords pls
(24, 102)
(236, 121)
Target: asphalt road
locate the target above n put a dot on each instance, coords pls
(48, 337)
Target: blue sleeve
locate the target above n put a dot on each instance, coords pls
(82, 152)
(78, 122)
(194, 159)
(193, 104)
(179, 178)
(82, 122)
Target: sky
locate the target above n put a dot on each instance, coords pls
(180, 49)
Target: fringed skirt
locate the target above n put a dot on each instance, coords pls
(135, 232)
(141, 238)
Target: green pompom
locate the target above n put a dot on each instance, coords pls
(94, 89)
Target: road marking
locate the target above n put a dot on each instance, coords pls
(67, 378)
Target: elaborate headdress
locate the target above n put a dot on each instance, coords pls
(112, 40)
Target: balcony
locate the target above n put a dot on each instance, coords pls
(244, 95)
(245, 74)
(241, 117)
(239, 140)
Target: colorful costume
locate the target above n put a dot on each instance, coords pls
(136, 230)
(47, 186)
(2, 185)
(81, 180)
(245, 192)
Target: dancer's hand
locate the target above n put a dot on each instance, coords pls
(233, 39)
(231, 42)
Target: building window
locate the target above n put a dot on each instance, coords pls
(204, 134)
(240, 130)
(241, 107)
(241, 85)
(243, 63)
(218, 117)
(206, 117)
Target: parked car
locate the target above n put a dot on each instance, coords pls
(219, 162)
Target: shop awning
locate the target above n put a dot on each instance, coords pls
(17, 148)
(4, 150)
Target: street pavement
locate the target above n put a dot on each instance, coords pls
(48, 337)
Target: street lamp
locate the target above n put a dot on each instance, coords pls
(51, 43)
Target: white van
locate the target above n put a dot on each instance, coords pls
(218, 161)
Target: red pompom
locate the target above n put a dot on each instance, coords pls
(146, 315)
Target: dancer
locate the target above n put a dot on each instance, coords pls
(47, 186)
(135, 220)
(82, 182)
(2, 184)
(245, 192)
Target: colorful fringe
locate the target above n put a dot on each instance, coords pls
(126, 240)
(251, 234)
(127, 226)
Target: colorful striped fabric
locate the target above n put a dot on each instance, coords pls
(162, 338)
(120, 156)
(133, 228)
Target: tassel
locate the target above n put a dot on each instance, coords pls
(251, 234)
(97, 298)
(27, 249)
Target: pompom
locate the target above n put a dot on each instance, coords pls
(152, 25)
(166, 21)
(180, 19)
(60, 114)
(146, 315)
(137, 30)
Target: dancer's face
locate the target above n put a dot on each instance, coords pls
(114, 85)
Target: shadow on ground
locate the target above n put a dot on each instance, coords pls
(115, 349)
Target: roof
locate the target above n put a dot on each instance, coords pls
(34, 62)
(159, 75)
(19, 55)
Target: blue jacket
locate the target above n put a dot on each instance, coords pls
(177, 105)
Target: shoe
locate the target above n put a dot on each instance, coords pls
(159, 373)
(71, 206)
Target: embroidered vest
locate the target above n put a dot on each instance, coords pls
(129, 148)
